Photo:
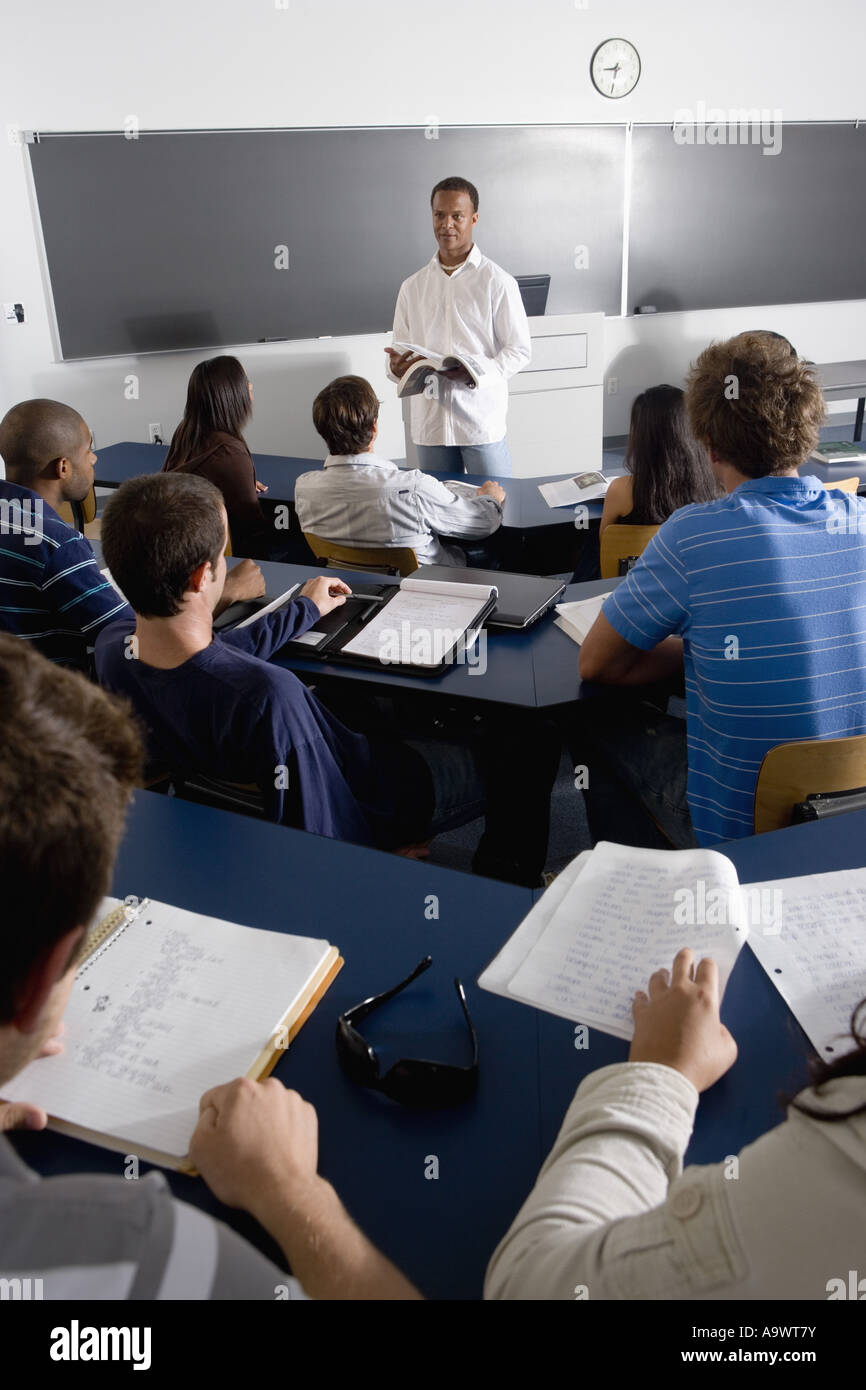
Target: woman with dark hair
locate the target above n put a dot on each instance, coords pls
(613, 1214)
(209, 441)
(667, 468)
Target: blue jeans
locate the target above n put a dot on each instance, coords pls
(492, 459)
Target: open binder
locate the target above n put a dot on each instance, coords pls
(165, 1005)
(418, 627)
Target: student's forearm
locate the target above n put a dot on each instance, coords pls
(635, 667)
(327, 1252)
(619, 1147)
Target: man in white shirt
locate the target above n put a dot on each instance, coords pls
(460, 303)
(361, 499)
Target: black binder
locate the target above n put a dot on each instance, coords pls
(327, 638)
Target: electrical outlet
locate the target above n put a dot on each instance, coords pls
(612, 385)
(154, 434)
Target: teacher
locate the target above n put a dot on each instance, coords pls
(464, 304)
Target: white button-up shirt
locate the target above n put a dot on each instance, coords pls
(476, 310)
(365, 500)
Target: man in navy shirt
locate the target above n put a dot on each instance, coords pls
(213, 704)
(52, 593)
(759, 596)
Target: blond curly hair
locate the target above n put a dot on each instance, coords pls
(755, 403)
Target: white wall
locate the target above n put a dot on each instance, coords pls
(89, 64)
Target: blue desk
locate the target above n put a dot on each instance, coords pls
(525, 508)
(372, 906)
(530, 669)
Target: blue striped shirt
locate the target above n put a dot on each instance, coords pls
(767, 588)
(51, 591)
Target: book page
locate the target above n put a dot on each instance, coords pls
(626, 915)
(817, 961)
(421, 623)
(172, 1004)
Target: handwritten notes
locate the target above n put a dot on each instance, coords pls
(421, 624)
(170, 1005)
(622, 914)
(818, 959)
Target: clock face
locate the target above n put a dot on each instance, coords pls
(615, 68)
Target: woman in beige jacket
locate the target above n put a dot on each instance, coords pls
(612, 1215)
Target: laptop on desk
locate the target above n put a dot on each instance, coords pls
(522, 598)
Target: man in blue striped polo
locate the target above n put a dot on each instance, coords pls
(760, 595)
(51, 591)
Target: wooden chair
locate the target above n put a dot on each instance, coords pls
(843, 485)
(792, 771)
(380, 559)
(622, 543)
(79, 514)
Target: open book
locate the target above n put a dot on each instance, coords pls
(583, 487)
(414, 381)
(575, 619)
(616, 914)
(166, 1004)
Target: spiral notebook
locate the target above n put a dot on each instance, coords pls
(166, 1004)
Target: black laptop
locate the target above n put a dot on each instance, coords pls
(523, 598)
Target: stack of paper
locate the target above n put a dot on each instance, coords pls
(575, 619)
(616, 914)
(609, 920)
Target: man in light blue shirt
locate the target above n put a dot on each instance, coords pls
(759, 595)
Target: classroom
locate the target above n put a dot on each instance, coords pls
(432, 680)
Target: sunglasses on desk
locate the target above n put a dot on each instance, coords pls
(411, 1081)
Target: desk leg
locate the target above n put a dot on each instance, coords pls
(858, 419)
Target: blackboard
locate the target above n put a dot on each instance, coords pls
(717, 225)
(168, 241)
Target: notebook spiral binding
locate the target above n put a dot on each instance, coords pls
(110, 929)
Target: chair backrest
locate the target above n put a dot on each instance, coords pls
(381, 559)
(844, 485)
(77, 513)
(792, 771)
(622, 543)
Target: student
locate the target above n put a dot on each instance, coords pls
(96, 1237)
(461, 302)
(361, 499)
(213, 704)
(666, 467)
(209, 441)
(52, 593)
(613, 1215)
(759, 595)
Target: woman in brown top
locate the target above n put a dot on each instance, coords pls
(666, 467)
(209, 441)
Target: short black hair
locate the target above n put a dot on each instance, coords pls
(34, 434)
(456, 185)
(156, 530)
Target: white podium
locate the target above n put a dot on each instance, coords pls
(554, 404)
